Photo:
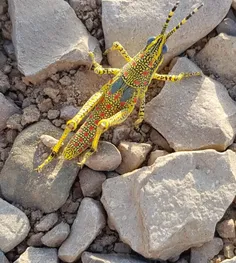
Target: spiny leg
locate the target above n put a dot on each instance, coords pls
(176, 77)
(104, 125)
(99, 69)
(71, 126)
(117, 46)
(141, 112)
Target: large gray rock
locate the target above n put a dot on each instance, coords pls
(109, 258)
(48, 36)
(89, 222)
(132, 22)
(195, 113)
(35, 255)
(7, 109)
(14, 226)
(173, 205)
(218, 56)
(19, 182)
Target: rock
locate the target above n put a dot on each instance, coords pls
(3, 259)
(51, 92)
(186, 185)
(30, 114)
(120, 133)
(232, 260)
(218, 56)
(35, 240)
(160, 141)
(89, 222)
(14, 122)
(227, 26)
(122, 248)
(7, 109)
(155, 154)
(131, 23)
(53, 114)
(9, 49)
(65, 81)
(45, 105)
(61, 42)
(14, 226)
(226, 229)
(186, 112)
(68, 112)
(133, 155)
(48, 140)
(35, 255)
(234, 4)
(206, 252)
(91, 182)
(229, 250)
(46, 191)
(233, 147)
(11, 135)
(109, 258)
(3, 60)
(47, 222)
(57, 235)
(107, 157)
(4, 82)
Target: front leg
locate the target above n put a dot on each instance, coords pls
(117, 46)
(99, 69)
(175, 77)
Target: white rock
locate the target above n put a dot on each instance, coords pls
(7, 109)
(231, 260)
(234, 4)
(155, 154)
(89, 222)
(173, 205)
(218, 56)
(132, 23)
(195, 113)
(207, 251)
(48, 140)
(36, 255)
(14, 226)
(57, 235)
(48, 36)
(226, 229)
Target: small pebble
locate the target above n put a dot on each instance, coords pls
(47, 222)
(53, 114)
(35, 240)
(226, 229)
(48, 140)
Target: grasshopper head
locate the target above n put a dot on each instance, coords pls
(156, 46)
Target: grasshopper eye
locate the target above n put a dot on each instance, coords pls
(149, 41)
(164, 49)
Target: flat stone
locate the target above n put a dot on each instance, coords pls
(226, 229)
(35, 255)
(56, 236)
(185, 112)
(46, 191)
(218, 56)
(172, 205)
(227, 26)
(14, 226)
(91, 182)
(7, 109)
(89, 222)
(155, 154)
(107, 157)
(207, 251)
(47, 222)
(133, 155)
(109, 258)
(132, 23)
(3, 259)
(48, 36)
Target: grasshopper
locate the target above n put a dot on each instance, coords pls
(116, 100)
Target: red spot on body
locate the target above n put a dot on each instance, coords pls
(145, 83)
(116, 97)
(126, 73)
(86, 134)
(110, 81)
(145, 73)
(136, 82)
(122, 103)
(96, 122)
(91, 116)
(81, 139)
(91, 139)
(141, 55)
(102, 114)
(108, 106)
(102, 99)
(91, 128)
(133, 63)
(76, 144)
(135, 99)
(151, 64)
(109, 92)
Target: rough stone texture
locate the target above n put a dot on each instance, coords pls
(185, 112)
(49, 141)
(228, 249)
(231, 260)
(7, 109)
(132, 23)
(107, 157)
(57, 235)
(3, 259)
(160, 141)
(91, 182)
(47, 222)
(14, 226)
(218, 56)
(206, 252)
(19, 182)
(111, 258)
(133, 155)
(155, 154)
(4, 82)
(30, 114)
(173, 205)
(48, 37)
(68, 112)
(226, 229)
(36, 255)
(35, 240)
(234, 4)
(90, 220)
(227, 26)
